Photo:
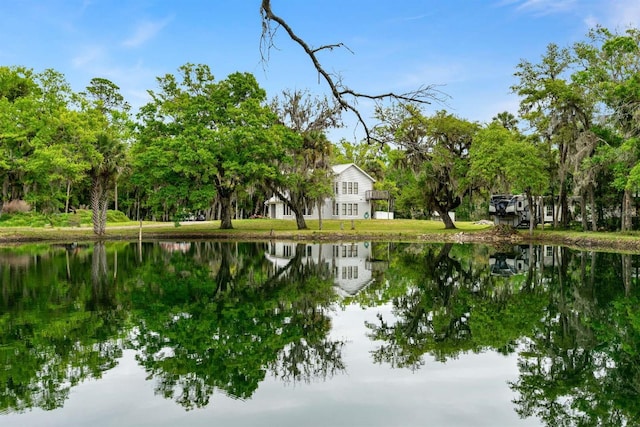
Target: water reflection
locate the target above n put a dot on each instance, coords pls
(351, 264)
(219, 317)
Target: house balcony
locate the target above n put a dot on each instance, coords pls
(376, 195)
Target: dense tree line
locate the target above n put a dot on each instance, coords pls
(222, 147)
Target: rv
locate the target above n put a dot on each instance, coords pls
(513, 210)
(510, 210)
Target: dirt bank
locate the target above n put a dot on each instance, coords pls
(495, 236)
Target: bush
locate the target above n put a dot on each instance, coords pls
(16, 206)
(81, 217)
(116, 216)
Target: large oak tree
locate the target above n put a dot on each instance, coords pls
(219, 134)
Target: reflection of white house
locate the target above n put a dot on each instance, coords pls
(352, 197)
(348, 262)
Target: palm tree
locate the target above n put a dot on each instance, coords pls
(103, 173)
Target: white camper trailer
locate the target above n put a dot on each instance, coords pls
(510, 210)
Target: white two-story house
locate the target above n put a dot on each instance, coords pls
(352, 197)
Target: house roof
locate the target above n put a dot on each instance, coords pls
(338, 169)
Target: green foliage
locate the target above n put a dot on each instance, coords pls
(435, 150)
(212, 145)
(81, 217)
(200, 138)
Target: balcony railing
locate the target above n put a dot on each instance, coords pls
(376, 195)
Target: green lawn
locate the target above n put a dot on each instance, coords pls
(254, 228)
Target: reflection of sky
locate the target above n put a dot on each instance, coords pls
(469, 391)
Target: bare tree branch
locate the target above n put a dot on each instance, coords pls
(344, 96)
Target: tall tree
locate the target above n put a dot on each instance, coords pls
(558, 110)
(502, 160)
(611, 72)
(213, 133)
(43, 138)
(304, 179)
(109, 144)
(436, 151)
(506, 120)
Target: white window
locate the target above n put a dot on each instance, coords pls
(350, 187)
(336, 188)
(336, 208)
(336, 251)
(287, 210)
(287, 251)
(344, 209)
(355, 209)
(549, 210)
(355, 188)
(344, 188)
(350, 272)
(350, 208)
(353, 251)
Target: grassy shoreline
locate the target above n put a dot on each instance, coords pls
(333, 230)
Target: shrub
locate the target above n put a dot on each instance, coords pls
(16, 206)
(116, 216)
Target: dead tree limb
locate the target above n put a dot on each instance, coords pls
(344, 96)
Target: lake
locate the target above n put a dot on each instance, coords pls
(277, 333)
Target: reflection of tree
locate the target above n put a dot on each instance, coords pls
(220, 319)
(572, 317)
(315, 357)
(581, 365)
(52, 336)
(449, 306)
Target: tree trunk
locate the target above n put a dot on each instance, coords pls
(99, 207)
(300, 221)
(66, 203)
(96, 196)
(594, 215)
(554, 210)
(446, 219)
(319, 214)
(626, 211)
(583, 211)
(5, 188)
(564, 211)
(225, 211)
(103, 211)
(532, 212)
(115, 196)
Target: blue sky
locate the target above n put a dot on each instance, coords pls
(469, 48)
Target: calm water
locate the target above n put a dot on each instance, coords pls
(346, 334)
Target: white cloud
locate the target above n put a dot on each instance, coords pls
(144, 32)
(622, 14)
(541, 7)
(443, 73)
(88, 56)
